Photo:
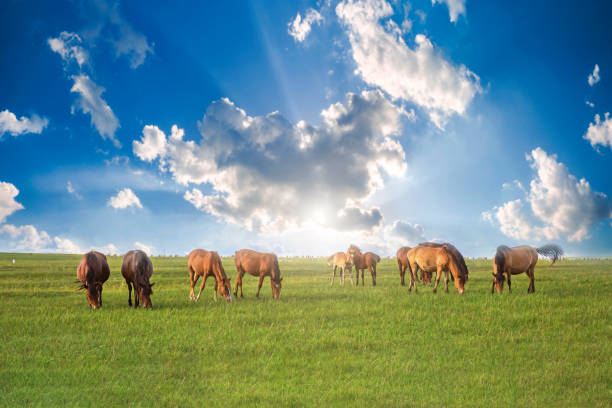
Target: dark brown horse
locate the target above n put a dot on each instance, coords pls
(92, 272)
(137, 269)
(516, 260)
(431, 256)
(257, 264)
(362, 262)
(206, 263)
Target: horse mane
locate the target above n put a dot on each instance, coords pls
(431, 244)
(458, 258)
(500, 257)
(354, 248)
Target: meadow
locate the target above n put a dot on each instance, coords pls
(315, 346)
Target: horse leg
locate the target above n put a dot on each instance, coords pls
(201, 287)
(261, 278)
(492, 287)
(413, 276)
(446, 281)
(100, 296)
(216, 287)
(373, 272)
(362, 277)
(402, 273)
(333, 276)
(357, 273)
(531, 274)
(130, 293)
(193, 279)
(438, 276)
(351, 276)
(509, 274)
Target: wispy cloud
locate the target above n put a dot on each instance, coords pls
(10, 124)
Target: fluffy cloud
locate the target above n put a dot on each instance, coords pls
(145, 248)
(68, 46)
(455, 8)
(108, 249)
(8, 205)
(89, 100)
(10, 124)
(124, 199)
(600, 132)
(410, 234)
(420, 74)
(561, 205)
(28, 238)
(594, 76)
(267, 174)
(300, 28)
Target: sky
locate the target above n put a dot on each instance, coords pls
(302, 127)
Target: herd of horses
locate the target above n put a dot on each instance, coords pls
(426, 258)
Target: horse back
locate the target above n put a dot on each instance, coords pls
(255, 263)
(521, 258)
(136, 266)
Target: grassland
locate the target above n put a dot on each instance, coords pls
(316, 346)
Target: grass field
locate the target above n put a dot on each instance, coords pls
(316, 346)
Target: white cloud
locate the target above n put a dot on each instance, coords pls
(108, 249)
(420, 74)
(71, 190)
(145, 248)
(561, 205)
(8, 205)
(600, 132)
(455, 8)
(410, 234)
(67, 45)
(89, 100)
(591, 104)
(300, 27)
(267, 174)
(124, 199)
(594, 77)
(10, 124)
(27, 238)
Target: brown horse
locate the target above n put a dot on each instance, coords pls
(258, 264)
(137, 269)
(516, 260)
(430, 257)
(342, 261)
(92, 272)
(205, 263)
(362, 262)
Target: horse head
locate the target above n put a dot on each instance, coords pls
(145, 290)
(276, 287)
(92, 292)
(498, 280)
(225, 288)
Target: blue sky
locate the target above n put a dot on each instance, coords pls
(301, 127)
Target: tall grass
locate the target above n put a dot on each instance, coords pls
(316, 345)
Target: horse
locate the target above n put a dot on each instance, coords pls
(92, 272)
(257, 264)
(137, 269)
(362, 262)
(206, 263)
(430, 257)
(342, 260)
(516, 260)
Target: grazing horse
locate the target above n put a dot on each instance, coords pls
(516, 260)
(257, 264)
(343, 261)
(362, 262)
(403, 264)
(205, 263)
(137, 269)
(430, 257)
(92, 272)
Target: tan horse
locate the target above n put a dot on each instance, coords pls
(206, 263)
(362, 262)
(342, 261)
(258, 264)
(137, 269)
(516, 260)
(433, 257)
(92, 272)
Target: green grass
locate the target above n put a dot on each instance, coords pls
(316, 346)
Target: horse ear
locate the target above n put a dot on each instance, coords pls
(151, 285)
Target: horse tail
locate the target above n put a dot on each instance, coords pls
(552, 251)
(500, 257)
(376, 258)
